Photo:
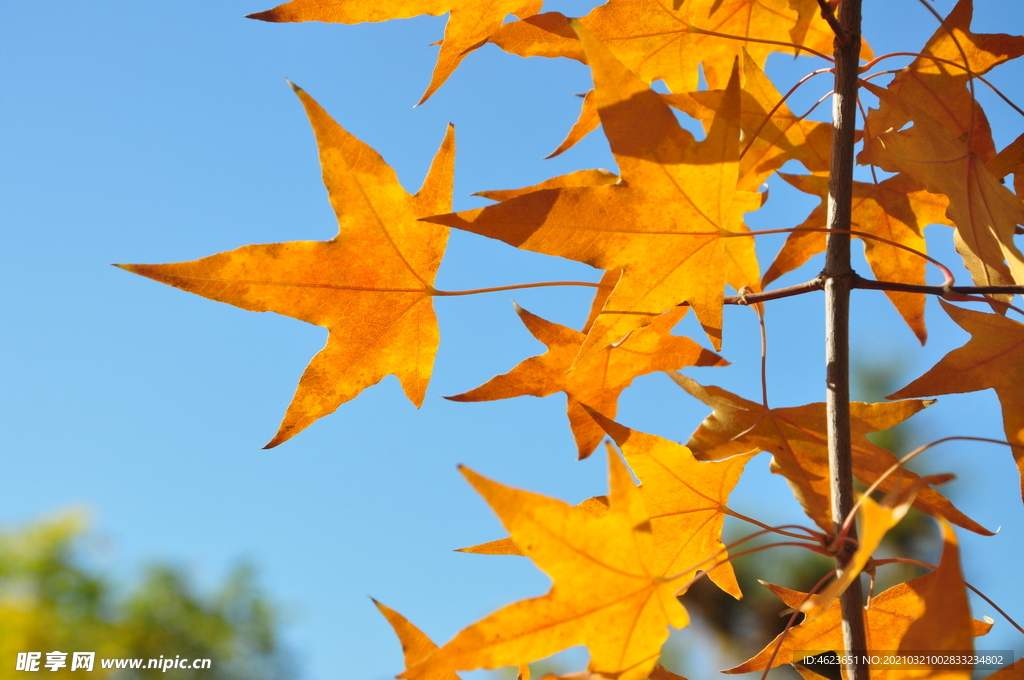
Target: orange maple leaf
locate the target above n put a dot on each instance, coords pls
(605, 594)
(993, 357)
(416, 646)
(940, 87)
(776, 139)
(668, 41)
(664, 223)
(598, 380)
(370, 286)
(470, 22)
(928, 613)
(685, 497)
(984, 211)
(797, 441)
(896, 209)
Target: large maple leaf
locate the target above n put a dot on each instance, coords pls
(685, 497)
(984, 211)
(896, 209)
(598, 380)
(664, 224)
(929, 613)
(605, 593)
(470, 22)
(370, 286)
(941, 87)
(994, 357)
(670, 40)
(797, 441)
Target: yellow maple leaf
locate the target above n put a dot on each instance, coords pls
(371, 286)
(598, 380)
(664, 223)
(940, 87)
(994, 357)
(984, 211)
(605, 594)
(797, 441)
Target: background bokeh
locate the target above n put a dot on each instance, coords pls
(158, 132)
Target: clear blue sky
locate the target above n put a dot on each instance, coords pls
(159, 132)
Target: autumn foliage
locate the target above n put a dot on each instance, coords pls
(669, 235)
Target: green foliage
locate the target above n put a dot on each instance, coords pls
(50, 600)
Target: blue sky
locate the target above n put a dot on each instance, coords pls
(159, 132)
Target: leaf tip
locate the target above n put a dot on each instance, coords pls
(266, 15)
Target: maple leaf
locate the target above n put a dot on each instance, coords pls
(605, 594)
(370, 286)
(941, 87)
(896, 209)
(993, 357)
(775, 139)
(470, 22)
(663, 224)
(685, 497)
(416, 646)
(984, 211)
(597, 380)
(668, 41)
(797, 441)
(913, 612)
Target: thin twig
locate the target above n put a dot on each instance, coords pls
(829, 15)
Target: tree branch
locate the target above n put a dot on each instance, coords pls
(839, 278)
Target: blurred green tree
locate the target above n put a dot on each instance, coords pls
(51, 601)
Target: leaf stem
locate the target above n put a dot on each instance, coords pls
(906, 459)
(780, 530)
(969, 72)
(950, 279)
(761, 41)
(519, 286)
(964, 293)
(775, 108)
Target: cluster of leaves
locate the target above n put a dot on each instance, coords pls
(668, 232)
(51, 600)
